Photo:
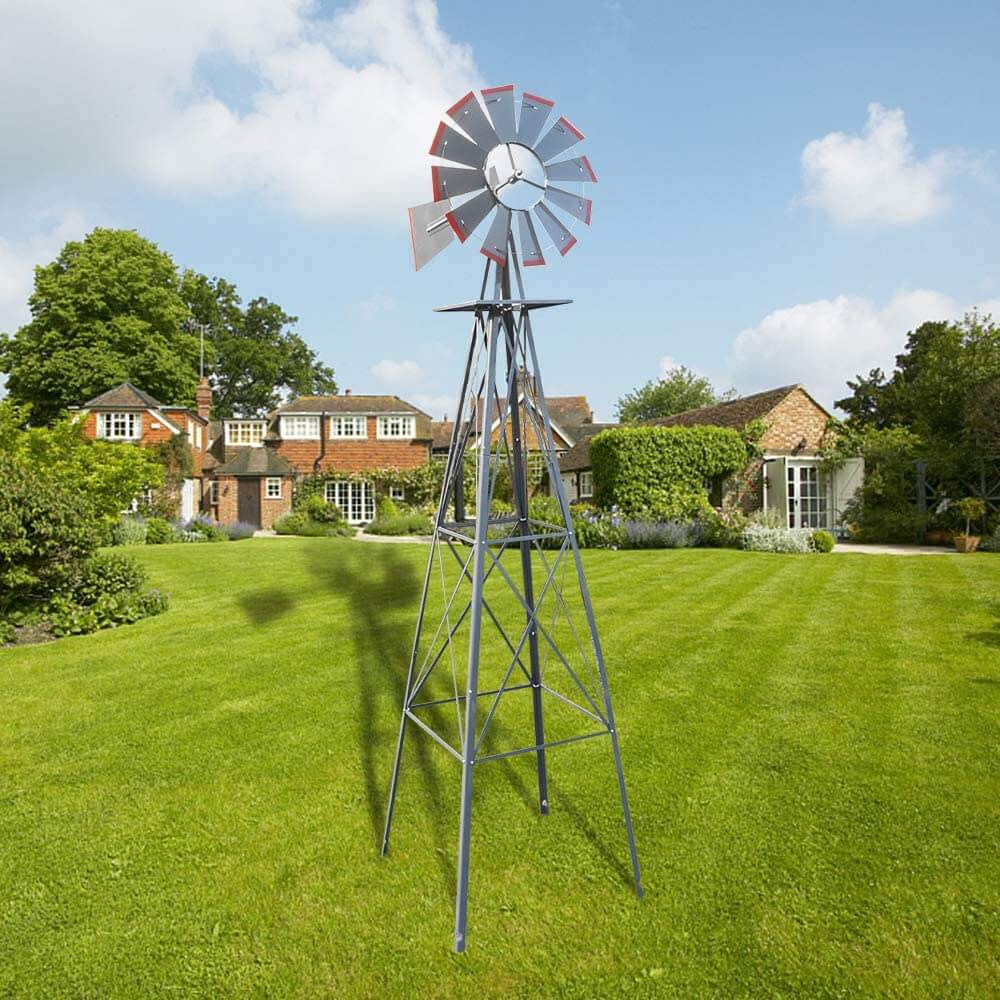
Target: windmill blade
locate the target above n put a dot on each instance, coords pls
(563, 239)
(578, 169)
(500, 104)
(469, 115)
(450, 182)
(558, 139)
(465, 218)
(495, 244)
(569, 202)
(531, 251)
(534, 114)
(430, 232)
(449, 145)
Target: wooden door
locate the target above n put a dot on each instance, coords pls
(248, 501)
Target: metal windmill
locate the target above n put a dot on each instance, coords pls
(506, 659)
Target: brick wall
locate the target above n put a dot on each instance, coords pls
(355, 456)
(227, 509)
(794, 419)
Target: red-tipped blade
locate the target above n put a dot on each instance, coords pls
(572, 203)
(558, 139)
(449, 145)
(495, 244)
(468, 114)
(466, 218)
(499, 103)
(578, 169)
(531, 251)
(534, 114)
(563, 239)
(450, 182)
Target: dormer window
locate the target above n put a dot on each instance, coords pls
(396, 425)
(245, 433)
(349, 427)
(119, 426)
(298, 428)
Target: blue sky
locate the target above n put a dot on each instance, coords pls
(784, 189)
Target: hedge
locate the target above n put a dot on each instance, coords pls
(661, 471)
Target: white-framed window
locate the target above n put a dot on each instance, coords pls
(396, 425)
(586, 483)
(245, 432)
(348, 427)
(299, 428)
(397, 493)
(355, 500)
(272, 488)
(119, 426)
(213, 492)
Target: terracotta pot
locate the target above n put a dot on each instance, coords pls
(938, 536)
(966, 543)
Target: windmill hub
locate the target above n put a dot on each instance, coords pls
(515, 176)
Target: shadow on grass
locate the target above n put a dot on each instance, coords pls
(383, 591)
(264, 606)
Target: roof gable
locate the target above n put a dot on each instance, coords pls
(124, 396)
(735, 413)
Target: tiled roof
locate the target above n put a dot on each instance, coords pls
(441, 431)
(124, 396)
(256, 462)
(349, 404)
(736, 413)
(569, 411)
(578, 457)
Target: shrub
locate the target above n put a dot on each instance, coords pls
(238, 530)
(318, 509)
(401, 524)
(595, 529)
(204, 525)
(130, 530)
(991, 542)
(159, 531)
(386, 509)
(660, 535)
(660, 472)
(46, 530)
(722, 529)
(6, 632)
(104, 575)
(970, 509)
(823, 541)
(758, 539)
(770, 518)
(190, 536)
(297, 522)
(64, 617)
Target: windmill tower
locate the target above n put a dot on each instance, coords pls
(506, 658)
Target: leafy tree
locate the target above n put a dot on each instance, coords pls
(681, 389)
(107, 310)
(256, 360)
(103, 477)
(865, 407)
(113, 308)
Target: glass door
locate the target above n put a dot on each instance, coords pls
(807, 505)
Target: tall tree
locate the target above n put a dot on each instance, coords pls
(107, 310)
(113, 308)
(680, 389)
(255, 359)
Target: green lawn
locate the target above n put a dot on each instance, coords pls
(192, 805)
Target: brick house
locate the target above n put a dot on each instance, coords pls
(255, 462)
(788, 477)
(126, 414)
(572, 421)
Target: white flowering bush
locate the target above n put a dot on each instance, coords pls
(759, 538)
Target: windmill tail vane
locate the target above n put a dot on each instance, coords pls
(506, 658)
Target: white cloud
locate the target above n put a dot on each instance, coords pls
(374, 306)
(876, 177)
(399, 375)
(667, 365)
(330, 115)
(822, 344)
(18, 259)
(436, 406)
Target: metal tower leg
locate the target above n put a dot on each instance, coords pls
(557, 484)
(521, 509)
(471, 693)
(453, 468)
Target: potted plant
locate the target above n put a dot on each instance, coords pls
(972, 509)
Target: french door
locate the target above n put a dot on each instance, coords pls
(807, 503)
(355, 500)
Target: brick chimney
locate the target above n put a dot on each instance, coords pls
(203, 398)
